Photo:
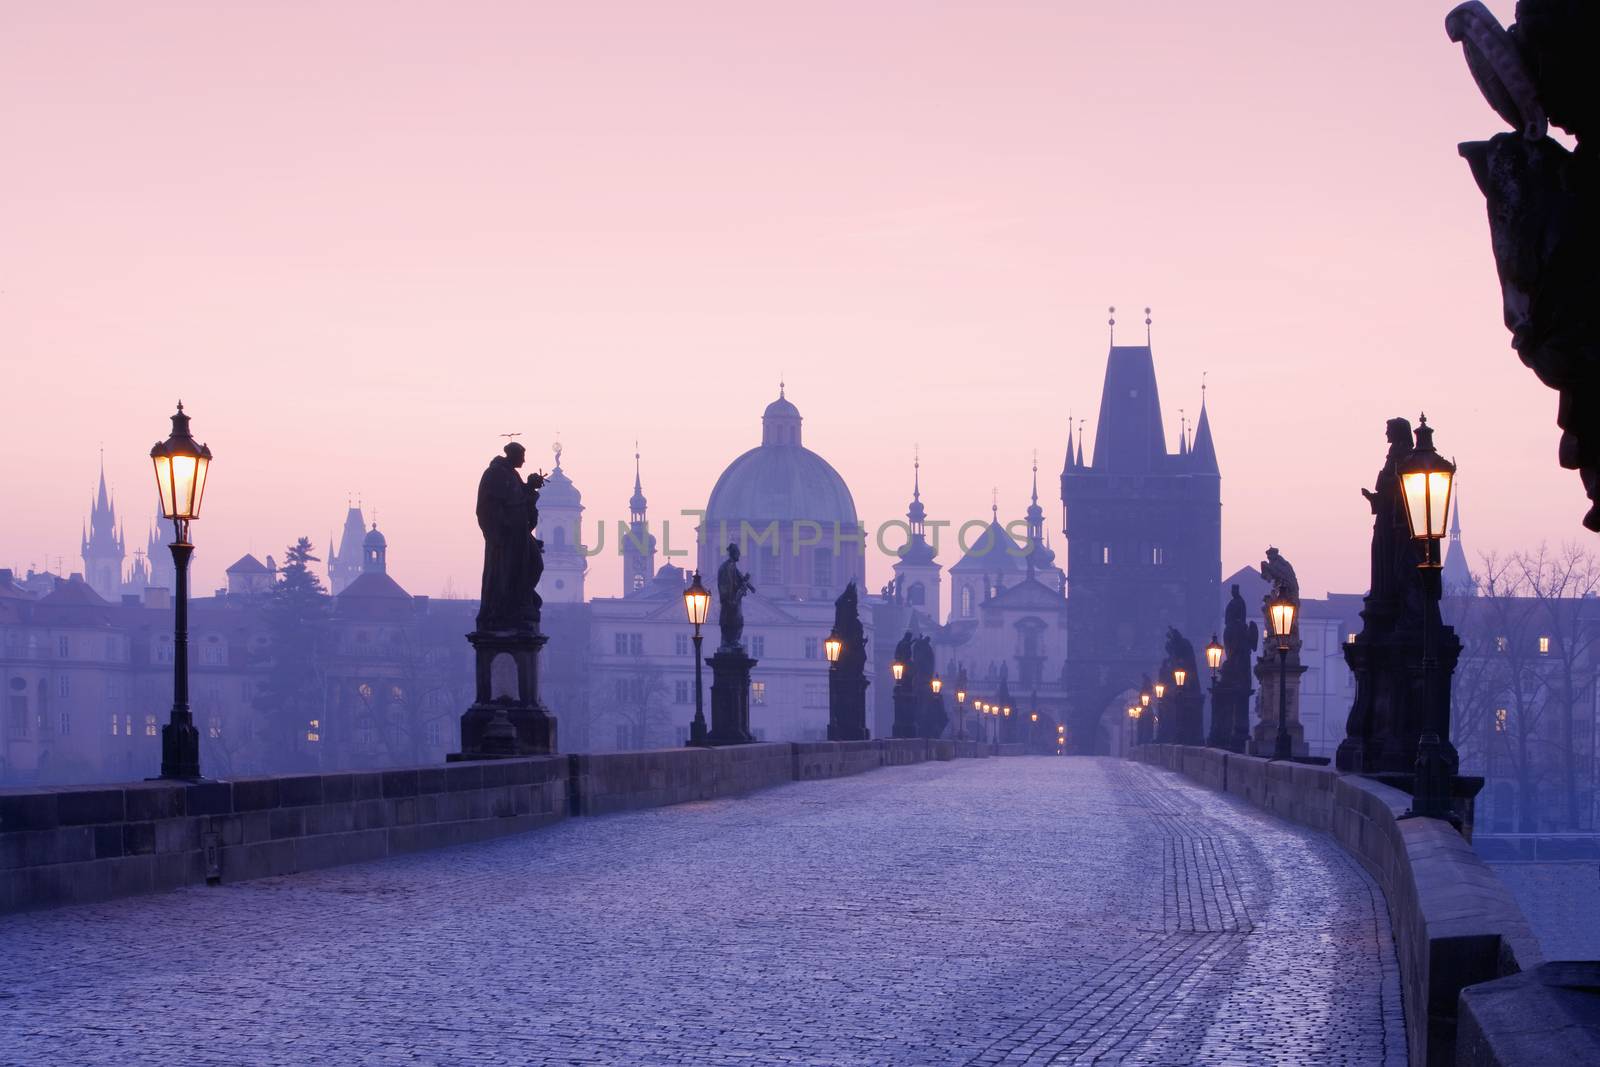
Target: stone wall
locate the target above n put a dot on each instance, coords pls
(1454, 923)
(74, 845)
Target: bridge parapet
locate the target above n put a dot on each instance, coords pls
(1455, 924)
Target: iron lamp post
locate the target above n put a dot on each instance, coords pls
(181, 465)
(697, 604)
(961, 704)
(1426, 479)
(1280, 611)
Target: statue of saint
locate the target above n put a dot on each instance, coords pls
(732, 585)
(847, 624)
(513, 560)
(902, 652)
(1239, 641)
(1389, 536)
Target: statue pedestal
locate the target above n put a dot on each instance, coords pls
(905, 710)
(506, 720)
(730, 697)
(1188, 715)
(1264, 738)
(847, 707)
(1230, 717)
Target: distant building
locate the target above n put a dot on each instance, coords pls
(104, 547)
(344, 563)
(1144, 546)
(566, 559)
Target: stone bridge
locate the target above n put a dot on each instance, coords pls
(997, 911)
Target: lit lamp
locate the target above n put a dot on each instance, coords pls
(1178, 675)
(1280, 614)
(1426, 479)
(936, 684)
(1144, 700)
(961, 703)
(697, 605)
(1161, 689)
(1214, 657)
(899, 670)
(832, 645)
(1034, 717)
(181, 465)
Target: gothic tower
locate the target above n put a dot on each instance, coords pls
(345, 565)
(561, 529)
(374, 552)
(1144, 542)
(103, 549)
(639, 545)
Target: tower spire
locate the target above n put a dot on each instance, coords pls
(1112, 322)
(1147, 327)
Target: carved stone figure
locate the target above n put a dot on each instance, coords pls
(1280, 574)
(513, 559)
(1544, 202)
(847, 624)
(932, 718)
(1392, 553)
(902, 652)
(1239, 642)
(732, 585)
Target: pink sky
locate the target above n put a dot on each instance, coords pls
(360, 240)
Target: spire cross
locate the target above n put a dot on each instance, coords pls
(994, 503)
(916, 472)
(1147, 327)
(1112, 322)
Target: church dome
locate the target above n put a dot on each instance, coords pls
(374, 539)
(781, 480)
(558, 491)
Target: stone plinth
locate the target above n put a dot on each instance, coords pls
(847, 707)
(1188, 711)
(1264, 738)
(905, 709)
(506, 720)
(730, 697)
(1230, 717)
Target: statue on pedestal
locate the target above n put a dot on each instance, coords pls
(1279, 672)
(933, 718)
(847, 680)
(1231, 698)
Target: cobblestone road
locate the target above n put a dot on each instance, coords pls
(1003, 911)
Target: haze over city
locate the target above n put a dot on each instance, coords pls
(361, 241)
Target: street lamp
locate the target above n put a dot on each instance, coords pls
(1426, 479)
(1214, 657)
(1179, 675)
(961, 703)
(899, 669)
(697, 604)
(1161, 689)
(832, 645)
(1280, 613)
(181, 465)
(936, 684)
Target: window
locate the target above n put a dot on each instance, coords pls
(1349, 639)
(680, 644)
(17, 725)
(682, 692)
(111, 687)
(66, 722)
(1544, 646)
(822, 567)
(811, 647)
(113, 726)
(314, 730)
(127, 726)
(638, 582)
(758, 646)
(63, 686)
(1499, 720)
(150, 726)
(917, 595)
(432, 733)
(816, 696)
(758, 692)
(966, 602)
(1500, 644)
(628, 644)
(1158, 555)
(214, 727)
(214, 653)
(365, 734)
(1105, 554)
(163, 651)
(111, 647)
(64, 646)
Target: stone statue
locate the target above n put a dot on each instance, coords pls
(513, 559)
(1180, 654)
(933, 718)
(1392, 554)
(847, 624)
(732, 585)
(902, 652)
(1281, 582)
(1239, 641)
(1544, 202)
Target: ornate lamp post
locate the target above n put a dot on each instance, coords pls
(1133, 724)
(832, 645)
(936, 684)
(1214, 657)
(1281, 612)
(181, 465)
(961, 704)
(1425, 481)
(697, 604)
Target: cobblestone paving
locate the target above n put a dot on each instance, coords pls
(1562, 903)
(1003, 911)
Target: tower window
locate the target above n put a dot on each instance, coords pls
(916, 596)
(1105, 554)
(1158, 555)
(1499, 720)
(966, 602)
(1544, 646)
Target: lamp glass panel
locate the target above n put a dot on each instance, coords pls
(202, 468)
(164, 483)
(833, 646)
(1180, 676)
(183, 475)
(899, 670)
(1214, 656)
(1438, 502)
(1414, 486)
(1161, 689)
(1282, 618)
(697, 602)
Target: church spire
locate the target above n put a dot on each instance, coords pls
(1035, 513)
(636, 503)
(916, 514)
(1203, 453)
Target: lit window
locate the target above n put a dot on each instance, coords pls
(314, 730)
(758, 692)
(1105, 554)
(149, 725)
(1544, 646)
(365, 690)
(1158, 556)
(1499, 720)
(1500, 644)
(1349, 639)
(127, 725)
(113, 726)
